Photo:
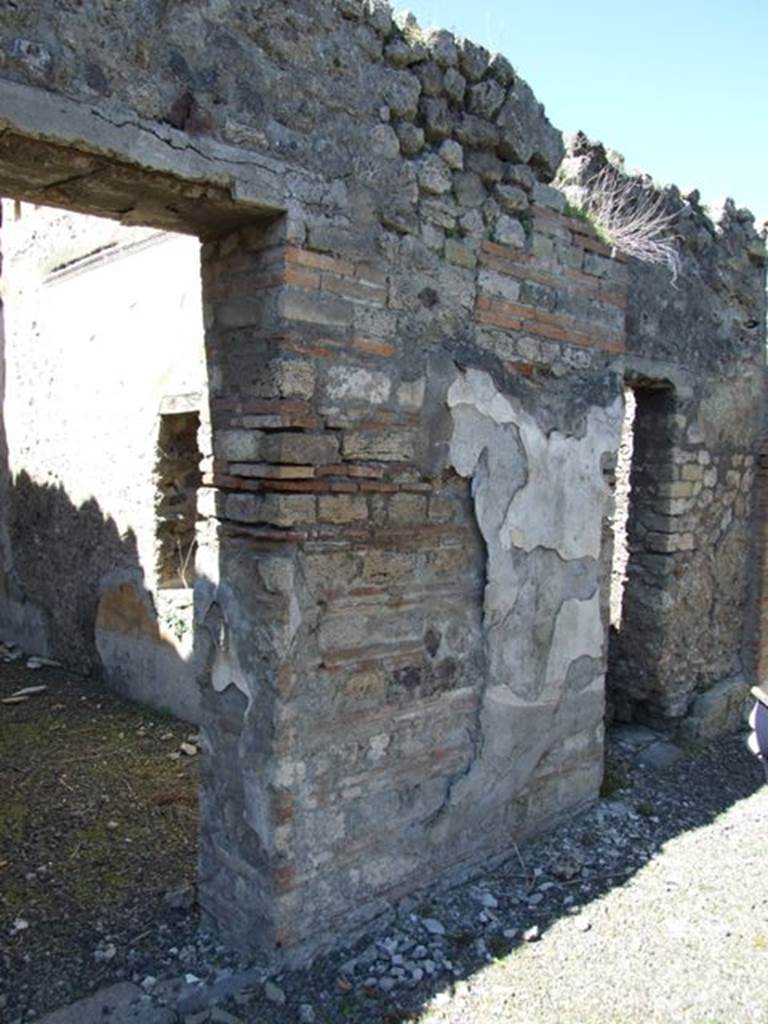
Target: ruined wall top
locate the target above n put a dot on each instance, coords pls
(326, 84)
(705, 305)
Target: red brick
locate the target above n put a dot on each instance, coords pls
(554, 275)
(378, 487)
(269, 471)
(505, 252)
(299, 278)
(230, 483)
(267, 405)
(278, 422)
(594, 245)
(262, 535)
(522, 369)
(285, 878)
(319, 261)
(296, 486)
(373, 347)
(548, 325)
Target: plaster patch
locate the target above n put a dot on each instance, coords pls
(226, 671)
(539, 504)
(578, 632)
(368, 385)
(561, 504)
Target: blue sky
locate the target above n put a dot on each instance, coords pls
(679, 88)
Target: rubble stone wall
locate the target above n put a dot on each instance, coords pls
(695, 359)
(416, 364)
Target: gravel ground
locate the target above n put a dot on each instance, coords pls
(650, 907)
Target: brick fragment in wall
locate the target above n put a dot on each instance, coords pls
(268, 471)
(516, 317)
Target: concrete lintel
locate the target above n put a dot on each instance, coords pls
(202, 170)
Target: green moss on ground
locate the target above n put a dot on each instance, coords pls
(95, 814)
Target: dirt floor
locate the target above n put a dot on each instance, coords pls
(650, 906)
(98, 832)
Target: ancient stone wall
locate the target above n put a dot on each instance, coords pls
(426, 641)
(695, 359)
(103, 331)
(416, 363)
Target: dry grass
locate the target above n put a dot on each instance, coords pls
(631, 215)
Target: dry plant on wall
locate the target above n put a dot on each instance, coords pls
(631, 216)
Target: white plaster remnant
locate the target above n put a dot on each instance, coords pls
(578, 632)
(560, 506)
(410, 394)
(539, 503)
(377, 746)
(370, 385)
(226, 671)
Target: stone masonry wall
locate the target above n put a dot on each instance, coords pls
(103, 329)
(425, 642)
(416, 364)
(695, 358)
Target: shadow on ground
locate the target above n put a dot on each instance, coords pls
(559, 875)
(98, 824)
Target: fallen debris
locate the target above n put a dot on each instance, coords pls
(38, 661)
(29, 691)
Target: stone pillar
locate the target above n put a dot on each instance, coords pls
(338, 596)
(244, 594)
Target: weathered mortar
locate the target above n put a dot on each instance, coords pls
(415, 364)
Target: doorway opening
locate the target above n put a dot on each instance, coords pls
(644, 516)
(103, 398)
